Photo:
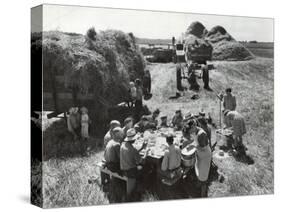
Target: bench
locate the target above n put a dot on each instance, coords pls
(106, 172)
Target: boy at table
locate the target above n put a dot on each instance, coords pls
(171, 162)
(130, 161)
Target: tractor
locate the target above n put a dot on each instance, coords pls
(190, 56)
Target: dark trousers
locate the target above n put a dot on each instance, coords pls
(138, 110)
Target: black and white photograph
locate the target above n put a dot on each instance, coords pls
(137, 106)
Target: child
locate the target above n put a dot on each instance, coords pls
(133, 94)
(84, 123)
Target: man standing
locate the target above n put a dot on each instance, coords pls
(203, 157)
(147, 82)
(229, 101)
(130, 161)
(205, 77)
(109, 135)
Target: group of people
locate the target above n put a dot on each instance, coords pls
(137, 90)
(234, 121)
(78, 122)
(122, 157)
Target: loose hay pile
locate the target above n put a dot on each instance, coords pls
(217, 42)
(98, 66)
(225, 46)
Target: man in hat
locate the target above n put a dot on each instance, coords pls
(203, 157)
(152, 119)
(235, 121)
(130, 160)
(229, 101)
(187, 117)
(142, 125)
(172, 159)
(177, 120)
(109, 135)
(112, 150)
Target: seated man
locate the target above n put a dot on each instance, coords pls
(177, 120)
(164, 121)
(153, 122)
(202, 122)
(128, 124)
(235, 121)
(108, 135)
(130, 160)
(112, 150)
(171, 162)
(142, 125)
(203, 157)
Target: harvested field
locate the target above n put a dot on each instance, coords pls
(252, 83)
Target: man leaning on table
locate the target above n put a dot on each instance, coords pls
(130, 161)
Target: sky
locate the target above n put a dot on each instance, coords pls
(150, 24)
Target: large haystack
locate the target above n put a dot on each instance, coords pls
(217, 42)
(99, 68)
(225, 47)
(198, 48)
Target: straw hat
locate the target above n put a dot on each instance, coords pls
(188, 116)
(131, 135)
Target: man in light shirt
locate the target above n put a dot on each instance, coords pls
(171, 160)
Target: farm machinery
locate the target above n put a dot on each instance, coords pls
(190, 57)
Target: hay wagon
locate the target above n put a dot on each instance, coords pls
(191, 56)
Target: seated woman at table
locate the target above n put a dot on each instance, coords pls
(170, 167)
(177, 120)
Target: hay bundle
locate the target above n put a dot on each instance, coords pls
(225, 47)
(198, 49)
(231, 50)
(197, 29)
